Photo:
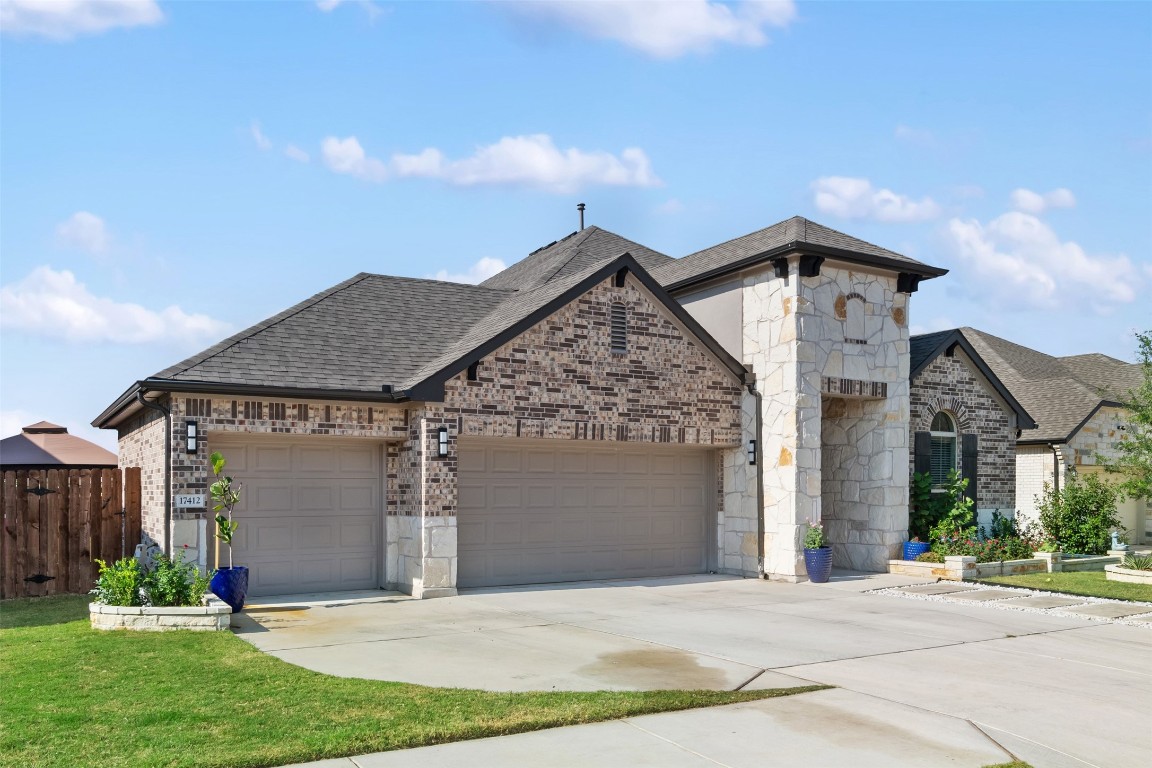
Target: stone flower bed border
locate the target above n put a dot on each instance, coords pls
(215, 617)
(1130, 575)
(959, 568)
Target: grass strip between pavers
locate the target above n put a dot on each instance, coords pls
(1077, 584)
(74, 696)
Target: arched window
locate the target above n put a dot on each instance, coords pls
(619, 328)
(943, 433)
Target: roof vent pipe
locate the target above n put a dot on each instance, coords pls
(580, 207)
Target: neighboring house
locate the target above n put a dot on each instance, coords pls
(44, 445)
(964, 418)
(1077, 403)
(597, 410)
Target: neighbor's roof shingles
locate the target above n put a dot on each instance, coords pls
(1058, 392)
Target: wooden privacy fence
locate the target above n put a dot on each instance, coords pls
(57, 521)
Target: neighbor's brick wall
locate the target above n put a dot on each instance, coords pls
(950, 384)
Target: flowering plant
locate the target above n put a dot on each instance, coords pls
(814, 536)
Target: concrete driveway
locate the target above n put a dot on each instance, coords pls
(944, 683)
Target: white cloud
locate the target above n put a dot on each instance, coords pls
(670, 207)
(347, 156)
(1018, 261)
(918, 136)
(933, 325)
(55, 305)
(1033, 202)
(373, 11)
(262, 141)
(297, 154)
(85, 231)
(477, 273)
(67, 19)
(666, 28)
(853, 198)
(533, 161)
(12, 422)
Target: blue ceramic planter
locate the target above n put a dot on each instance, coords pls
(231, 586)
(819, 564)
(913, 549)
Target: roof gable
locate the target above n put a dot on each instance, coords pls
(794, 234)
(927, 347)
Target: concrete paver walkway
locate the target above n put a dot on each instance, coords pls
(967, 682)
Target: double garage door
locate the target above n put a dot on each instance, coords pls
(533, 512)
(310, 512)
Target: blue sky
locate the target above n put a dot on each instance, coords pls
(175, 171)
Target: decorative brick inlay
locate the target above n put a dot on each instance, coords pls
(853, 387)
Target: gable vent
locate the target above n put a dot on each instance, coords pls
(619, 328)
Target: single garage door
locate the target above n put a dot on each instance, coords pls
(533, 512)
(310, 512)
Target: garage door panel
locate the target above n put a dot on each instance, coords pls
(506, 496)
(600, 513)
(265, 460)
(310, 512)
(359, 498)
(540, 461)
(506, 461)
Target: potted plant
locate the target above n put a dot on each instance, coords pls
(817, 554)
(229, 584)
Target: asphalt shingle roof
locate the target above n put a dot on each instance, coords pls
(364, 333)
(796, 230)
(573, 254)
(1058, 392)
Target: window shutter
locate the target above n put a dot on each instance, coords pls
(922, 452)
(968, 454)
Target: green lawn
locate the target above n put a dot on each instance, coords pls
(73, 696)
(1090, 583)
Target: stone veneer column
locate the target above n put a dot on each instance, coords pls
(771, 328)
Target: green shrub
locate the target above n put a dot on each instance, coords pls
(1137, 562)
(171, 582)
(930, 557)
(1082, 515)
(120, 583)
(925, 508)
(814, 536)
(958, 519)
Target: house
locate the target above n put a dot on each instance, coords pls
(1077, 402)
(44, 445)
(964, 418)
(597, 410)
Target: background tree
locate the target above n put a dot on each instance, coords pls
(1135, 446)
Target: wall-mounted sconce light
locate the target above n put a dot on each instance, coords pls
(190, 427)
(442, 445)
(751, 453)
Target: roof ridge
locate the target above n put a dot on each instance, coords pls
(233, 340)
(579, 240)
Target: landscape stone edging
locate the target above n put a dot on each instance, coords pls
(1129, 575)
(211, 618)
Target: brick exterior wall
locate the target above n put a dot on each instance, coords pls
(559, 380)
(951, 384)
